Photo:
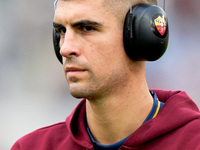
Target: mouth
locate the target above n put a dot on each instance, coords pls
(72, 71)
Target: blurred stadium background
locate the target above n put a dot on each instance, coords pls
(33, 89)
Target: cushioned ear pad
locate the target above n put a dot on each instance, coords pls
(56, 41)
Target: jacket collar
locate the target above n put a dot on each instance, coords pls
(76, 126)
(177, 104)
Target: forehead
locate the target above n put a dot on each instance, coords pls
(80, 9)
(78, 2)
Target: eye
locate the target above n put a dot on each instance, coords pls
(61, 30)
(87, 28)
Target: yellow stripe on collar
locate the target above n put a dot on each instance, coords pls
(157, 110)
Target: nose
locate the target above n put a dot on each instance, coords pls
(69, 45)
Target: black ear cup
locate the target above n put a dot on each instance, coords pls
(56, 41)
(146, 32)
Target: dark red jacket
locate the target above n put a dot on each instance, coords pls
(176, 127)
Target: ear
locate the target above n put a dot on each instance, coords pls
(56, 41)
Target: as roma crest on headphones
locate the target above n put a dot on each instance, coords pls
(160, 24)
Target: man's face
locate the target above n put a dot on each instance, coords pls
(91, 44)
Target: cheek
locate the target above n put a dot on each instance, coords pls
(107, 48)
(106, 63)
(105, 52)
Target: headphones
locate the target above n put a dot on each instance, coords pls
(145, 35)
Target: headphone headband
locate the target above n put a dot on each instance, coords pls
(55, 3)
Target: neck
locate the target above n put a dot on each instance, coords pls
(113, 118)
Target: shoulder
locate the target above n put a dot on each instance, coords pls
(54, 130)
(192, 128)
(57, 136)
(41, 136)
(190, 134)
(51, 128)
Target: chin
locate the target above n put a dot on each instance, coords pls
(84, 91)
(83, 94)
(79, 93)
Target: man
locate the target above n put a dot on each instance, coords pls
(118, 110)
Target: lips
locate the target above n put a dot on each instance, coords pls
(74, 69)
(74, 72)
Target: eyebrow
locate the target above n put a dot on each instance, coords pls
(80, 23)
(57, 25)
(86, 23)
